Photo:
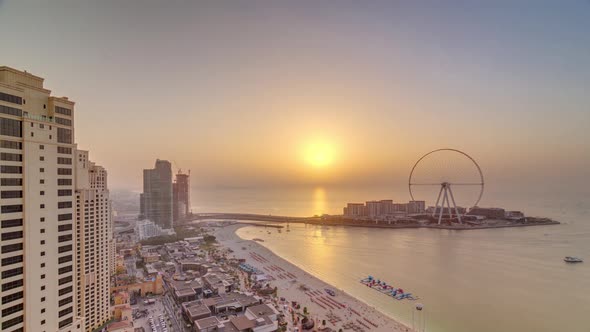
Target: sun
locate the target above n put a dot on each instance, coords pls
(319, 155)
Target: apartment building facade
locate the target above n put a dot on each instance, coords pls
(94, 243)
(37, 206)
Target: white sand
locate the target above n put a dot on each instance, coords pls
(272, 264)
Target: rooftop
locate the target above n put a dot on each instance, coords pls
(207, 323)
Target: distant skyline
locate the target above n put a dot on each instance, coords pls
(331, 93)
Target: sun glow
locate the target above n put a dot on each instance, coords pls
(319, 155)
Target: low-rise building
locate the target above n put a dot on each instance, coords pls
(209, 324)
(491, 213)
(195, 310)
(186, 291)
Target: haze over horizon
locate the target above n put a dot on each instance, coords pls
(337, 94)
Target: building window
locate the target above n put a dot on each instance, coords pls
(13, 309)
(12, 285)
(42, 170)
(12, 208)
(64, 192)
(41, 193)
(42, 253)
(64, 171)
(64, 150)
(64, 228)
(65, 322)
(64, 161)
(12, 223)
(42, 230)
(42, 206)
(64, 135)
(11, 144)
(41, 147)
(11, 194)
(12, 235)
(43, 322)
(64, 205)
(41, 158)
(11, 127)
(11, 156)
(42, 219)
(11, 182)
(42, 242)
(43, 287)
(11, 98)
(62, 121)
(11, 273)
(12, 260)
(12, 297)
(64, 259)
(63, 110)
(43, 298)
(64, 216)
(10, 110)
(12, 322)
(42, 181)
(12, 247)
(11, 169)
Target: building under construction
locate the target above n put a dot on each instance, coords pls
(181, 196)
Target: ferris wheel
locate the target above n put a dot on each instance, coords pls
(454, 175)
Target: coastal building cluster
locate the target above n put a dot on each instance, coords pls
(163, 200)
(200, 288)
(56, 228)
(383, 208)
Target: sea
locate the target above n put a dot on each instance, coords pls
(492, 280)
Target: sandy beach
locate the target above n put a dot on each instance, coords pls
(294, 284)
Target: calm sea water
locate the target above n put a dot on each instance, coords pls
(486, 280)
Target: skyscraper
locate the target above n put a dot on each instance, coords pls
(181, 196)
(156, 199)
(94, 243)
(37, 206)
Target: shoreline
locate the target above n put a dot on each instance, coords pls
(361, 311)
(458, 228)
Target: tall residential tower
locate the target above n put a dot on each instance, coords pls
(38, 272)
(94, 234)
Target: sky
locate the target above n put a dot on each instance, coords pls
(351, 93)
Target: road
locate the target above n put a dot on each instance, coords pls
(174, 311)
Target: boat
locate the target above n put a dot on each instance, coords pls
(570, 259)
(330, 292)
(389, 290)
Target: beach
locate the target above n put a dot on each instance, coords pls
(295, 284)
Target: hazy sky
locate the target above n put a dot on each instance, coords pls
(238, 91)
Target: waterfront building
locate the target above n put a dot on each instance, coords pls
(156, 200)
(181, 196)
(373, 208)
(94, 245)
(416, 207)
(385, 206)
(492, 213)
(355, 210)
(37, 148)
